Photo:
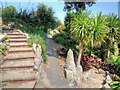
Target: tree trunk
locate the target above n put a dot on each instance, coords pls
(116, 49)
(108, 55)
(80, 53)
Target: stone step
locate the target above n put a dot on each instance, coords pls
(20, 49)
(18, 74)
(7, 29)
(18, 40)
(14, 33)
(21, 84)
(16, 36)
(19, 55)
(20, 59)
(18, 63)
(18, 44)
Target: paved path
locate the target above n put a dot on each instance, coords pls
(53, 71)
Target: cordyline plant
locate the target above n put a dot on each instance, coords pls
(87, 29)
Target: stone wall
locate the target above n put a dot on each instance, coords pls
(38, 60)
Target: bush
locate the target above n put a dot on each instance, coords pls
(114, 60)
(37, 36)
(3, 48)
(38, 40)
(62, 39)
(115, 85)
(3, 44)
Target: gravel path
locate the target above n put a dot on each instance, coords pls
(53, 72)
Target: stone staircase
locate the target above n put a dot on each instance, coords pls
(18, 65)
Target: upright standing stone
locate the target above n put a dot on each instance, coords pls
(79, 71)
(70, 69)
(70, 60)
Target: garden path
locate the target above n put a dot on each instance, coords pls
(53, 72)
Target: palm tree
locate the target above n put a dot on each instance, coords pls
(98, 30)
(114, 32)
(79, 30)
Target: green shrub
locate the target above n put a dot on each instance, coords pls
(61, 39)
(115, 85)
(38, 40)
(37, 36)
(3, 48)
(114, 60)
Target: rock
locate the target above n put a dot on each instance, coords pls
(70, 60)
(38, 51)
(108, 79)
(101, 71)
(37, 64)
(70, 69)
(69, 74)
(34, 47)
(27, 35)
(1, 60)
(73, 83)
(38, 58)
(88, 74)
(106, 87)
(79, 71)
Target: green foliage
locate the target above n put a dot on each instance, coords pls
(37, 36)
(112, 37)
(24, 15)
(44, 16)
(69, 16)
(61, 28)
(3, 48)
(77, 6)
(79, 27)
(9, 12)
(98, 30)
(114, 60)
(115, 85)
(63, 39)
(3, 45)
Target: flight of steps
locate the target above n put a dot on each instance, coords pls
(18, 66)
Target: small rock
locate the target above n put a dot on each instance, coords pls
(106, 86)
(108, 79)
(101, 71)
(34, 47)
(73, 83)
(68, 74)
